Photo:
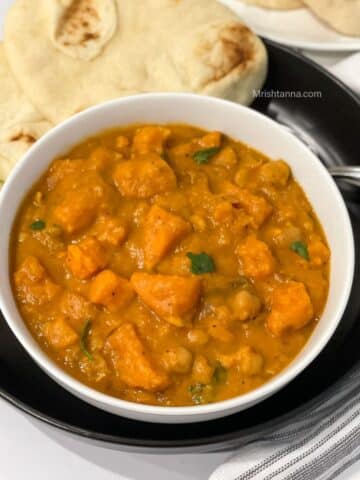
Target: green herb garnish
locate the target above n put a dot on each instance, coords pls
(201, 393)
(38, 225)
(197, 399)
(83, 340)
(201, 263)
(196, 391)
(220, 373)
(196, 388)
(204, 156)
(301, 249)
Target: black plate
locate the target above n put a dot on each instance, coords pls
(331, 125)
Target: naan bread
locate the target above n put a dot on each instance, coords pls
(276, 4)
(82, 28)
(20, 124)
(342, 15)
(159, 45)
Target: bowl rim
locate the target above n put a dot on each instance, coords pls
(265, 390)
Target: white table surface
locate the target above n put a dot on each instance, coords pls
(29, 450)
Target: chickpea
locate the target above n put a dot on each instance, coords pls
(245, 305)
(277, 173)
(197, 337)
(202, 371)
(319, 253)
(122, 142)
(251, 362)
(100, 158)
(246, 359)
(309, 226)
(177, 359)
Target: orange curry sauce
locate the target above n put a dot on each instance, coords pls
(168, 265)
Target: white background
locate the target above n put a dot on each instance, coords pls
(32, 451)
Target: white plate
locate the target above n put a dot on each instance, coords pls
(295, 28)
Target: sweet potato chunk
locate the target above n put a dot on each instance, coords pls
(223, 212)
(256, 258)
(100, 158)
(162, 231)
(144, 176)
(76, 211)
(177, 359)
(76, 309)
(59, 334)
(132, 363)
(33, 284)
(86, 258)
(225, 158)
(172, 297)
(291, 308)
(60, 169)
(250, 362)
(150, 139)
(319, 252)
(210, 140)
(202, 371)
(30, 270)
(110, 230)
(276, 173)
(110, 290)
(255, 206)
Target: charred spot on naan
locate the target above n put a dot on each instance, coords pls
(23, 137)
(84, 27)
(233, 50)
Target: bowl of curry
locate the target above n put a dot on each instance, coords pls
(173, 258)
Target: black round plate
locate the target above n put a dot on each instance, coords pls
(331, 126)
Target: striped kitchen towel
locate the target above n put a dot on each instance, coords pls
(319, 441)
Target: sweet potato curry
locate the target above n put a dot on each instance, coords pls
(169, 266)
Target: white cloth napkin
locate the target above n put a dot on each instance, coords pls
(348, 71)
(321, 440)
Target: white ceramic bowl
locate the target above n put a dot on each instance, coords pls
(209, 113)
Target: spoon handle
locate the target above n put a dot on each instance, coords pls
(349, 174)
(345, 171)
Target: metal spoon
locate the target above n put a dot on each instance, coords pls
(346, 173)
(350, 174)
